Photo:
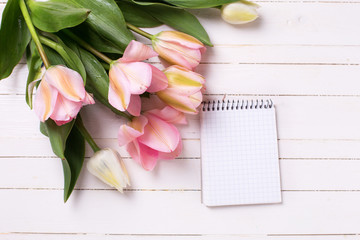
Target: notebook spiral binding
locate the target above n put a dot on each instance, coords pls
(236, 105)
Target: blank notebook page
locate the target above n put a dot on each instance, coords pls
(239, 152)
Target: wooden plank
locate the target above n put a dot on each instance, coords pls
(313, 117)
(279, 79)
(86, 236)
(320, 149)
(298, 118)
(103, 124)
(288, 149)
(296, 175)
(165, 212)
(288, 23)
(40, 147)
(282, 54)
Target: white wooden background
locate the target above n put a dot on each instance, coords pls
(305, 55)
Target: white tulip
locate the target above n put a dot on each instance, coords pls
(107, 165)
(239, 12)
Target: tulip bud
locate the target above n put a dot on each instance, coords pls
(178, 48)
(239, 12)
(60, 95)
(108, 166)
(184, 92)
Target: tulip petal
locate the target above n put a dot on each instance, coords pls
(108, 166)
(65, 110)
(185, 81)
(138, 123)
(196, 99)
(239, 12)
(45, 100)
(119, 88)
(170, 115)
(171, 155)
(180, 38)
(134, 107)
(178, 101)
(193, 56)
(136, 52)
(172, 56)
(133, 130)
(67, 81)
(142, 154)
(59, 123)
(139, 75)
(191, 78)
(160, 135)
(88, 99)
(159, 80)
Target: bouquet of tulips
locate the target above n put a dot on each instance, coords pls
(81, 50)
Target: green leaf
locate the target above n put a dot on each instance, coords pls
(74, 159)
(43, 129)
(107, 20)
(137, 16)
(98, 42)
(177, 18)
(34, 63)
(71, 58)
(54, 15)
(14, 37)
(199, 3)
(181, 20)
(68, 144)
(58, 135)
(54, 57)
(98, 80)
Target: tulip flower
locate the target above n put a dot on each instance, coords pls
(153, 136)
(239, 12)
(60, 95)
(184, 91)
(107, 165)
(178, 48)
(129, 77)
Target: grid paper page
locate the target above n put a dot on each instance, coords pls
(240, 163)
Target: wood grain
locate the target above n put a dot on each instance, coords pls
(307, 117)
(175, 213)
(180, 175)
(86, 236)
(305, 55)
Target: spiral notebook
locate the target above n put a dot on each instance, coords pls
(239, 153)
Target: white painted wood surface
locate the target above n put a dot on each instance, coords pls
(304, 55)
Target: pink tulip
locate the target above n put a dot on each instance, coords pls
(130, 77)
(153, 136)
(60, 95)
(178, 48)
(184, 91)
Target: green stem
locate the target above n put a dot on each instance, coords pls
(139, 31)
(50, 43)
(80, 126)
(34, 34)
(88, 46)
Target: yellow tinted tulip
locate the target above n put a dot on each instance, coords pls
(239, 12)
